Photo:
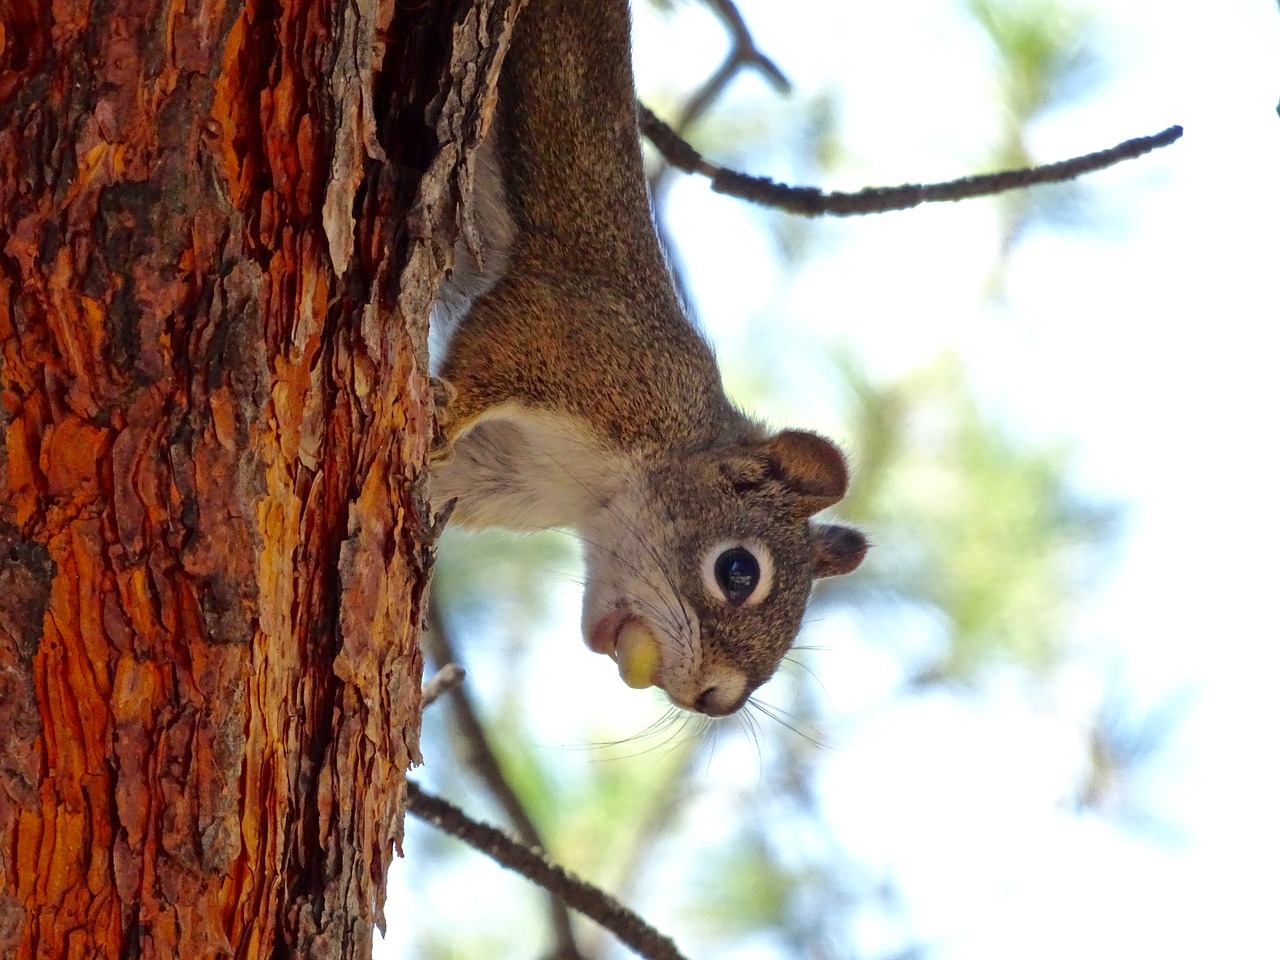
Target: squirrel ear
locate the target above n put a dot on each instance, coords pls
(836, 549)
(809, 466)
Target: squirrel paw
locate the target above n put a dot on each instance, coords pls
(442, 395)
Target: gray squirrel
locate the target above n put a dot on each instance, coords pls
(579, 395)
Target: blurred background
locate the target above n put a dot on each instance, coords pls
(1041, 720)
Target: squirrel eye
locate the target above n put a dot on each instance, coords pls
(737, 573)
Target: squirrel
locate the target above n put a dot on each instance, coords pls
(579, 395)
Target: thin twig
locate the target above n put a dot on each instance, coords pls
(588, 900)
(810, 201)
(446, 679)
(749, 53)
(479, 756)
(743, 54)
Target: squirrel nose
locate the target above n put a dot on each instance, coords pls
(704, 702)
(722, 696)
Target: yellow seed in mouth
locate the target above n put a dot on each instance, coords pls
(638, 655)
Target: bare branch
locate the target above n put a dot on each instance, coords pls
(745, 47)
(742, 55)
(588, 900)
(447, 678)
(479, 756)
(811, 202)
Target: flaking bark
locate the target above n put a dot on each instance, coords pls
(216, 419)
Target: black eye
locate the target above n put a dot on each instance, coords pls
(737, 573)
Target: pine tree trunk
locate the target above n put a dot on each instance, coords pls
(213, 293)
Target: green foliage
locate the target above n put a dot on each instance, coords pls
(1126, 740)
(976, 524)
(751, 893)
(1043, 54)
(1042, 60)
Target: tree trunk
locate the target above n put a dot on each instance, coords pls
(217, 253)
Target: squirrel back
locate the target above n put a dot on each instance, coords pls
(582, 396)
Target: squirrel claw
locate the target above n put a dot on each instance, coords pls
(442, 396)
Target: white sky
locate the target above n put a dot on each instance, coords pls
(1155, 347)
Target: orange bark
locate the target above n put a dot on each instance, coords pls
(215, 422)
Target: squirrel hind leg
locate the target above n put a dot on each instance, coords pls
(443, 394)
(482, 251)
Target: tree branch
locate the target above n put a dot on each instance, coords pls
(532, 864)
(745, 47)
(742, 55)
(479, 756)
(447, 679)
(810, 201)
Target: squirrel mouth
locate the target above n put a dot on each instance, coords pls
(631, 643)
(603, 637)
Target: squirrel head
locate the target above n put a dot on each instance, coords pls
(699, 572)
